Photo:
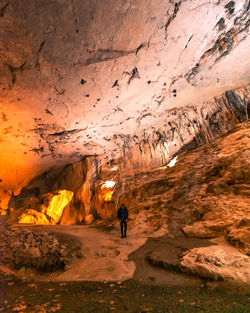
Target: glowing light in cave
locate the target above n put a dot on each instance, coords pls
(34, 217)
(107, 190)
(57, 204)
(51, 211)
(108, 184)
(172, 162)
(108, 196)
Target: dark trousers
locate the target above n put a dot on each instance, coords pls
(123, 228)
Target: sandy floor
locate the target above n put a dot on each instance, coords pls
(105, 253)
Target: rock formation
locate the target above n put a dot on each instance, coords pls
(207, 188)
(72, 83)
(205, 195)
(22, 248)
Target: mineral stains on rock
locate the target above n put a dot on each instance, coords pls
(101, 80)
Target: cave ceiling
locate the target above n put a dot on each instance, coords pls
(77, 77)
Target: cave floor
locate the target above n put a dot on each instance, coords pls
(127, 296)
(113, 276)
(105, 255)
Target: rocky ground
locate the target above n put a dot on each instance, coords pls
(118, 275)
(23, 248)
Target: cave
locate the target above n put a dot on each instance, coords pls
(142, 103)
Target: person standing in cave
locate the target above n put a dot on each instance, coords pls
(122, 216)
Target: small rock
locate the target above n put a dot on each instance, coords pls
(35, 252)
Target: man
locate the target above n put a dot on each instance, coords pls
(122, 215)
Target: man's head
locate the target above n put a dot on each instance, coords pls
(123, 206)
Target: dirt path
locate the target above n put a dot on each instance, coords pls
(105, 253)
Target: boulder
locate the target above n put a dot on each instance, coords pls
(167, 259)
(239, 235)
(24, 248)
(199, 230)
(35, 252)
(218, 262)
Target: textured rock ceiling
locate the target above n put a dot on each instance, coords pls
(77, 77)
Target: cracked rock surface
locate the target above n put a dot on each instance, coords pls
(96, 77)
(205, 196)
(23, 248)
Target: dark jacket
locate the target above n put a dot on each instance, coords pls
(122, 214)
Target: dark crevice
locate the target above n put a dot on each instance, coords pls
(188, 41)
(139, 48)
(37, 64)
(38, 150)
(116, 84)
(66, 132)
(172, 17)
(48, 112)
(75, 18)
(3, 9)
(230, 7)
(102, 55)
(134, 74)
(41, 47)
(221, 24)
(14, 69)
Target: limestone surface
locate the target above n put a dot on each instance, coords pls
(22, 248)
(84, 78)
(205, 193)
(217, 262)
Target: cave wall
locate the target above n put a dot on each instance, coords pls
(207, 191)
(72, 83)
(184, 129)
